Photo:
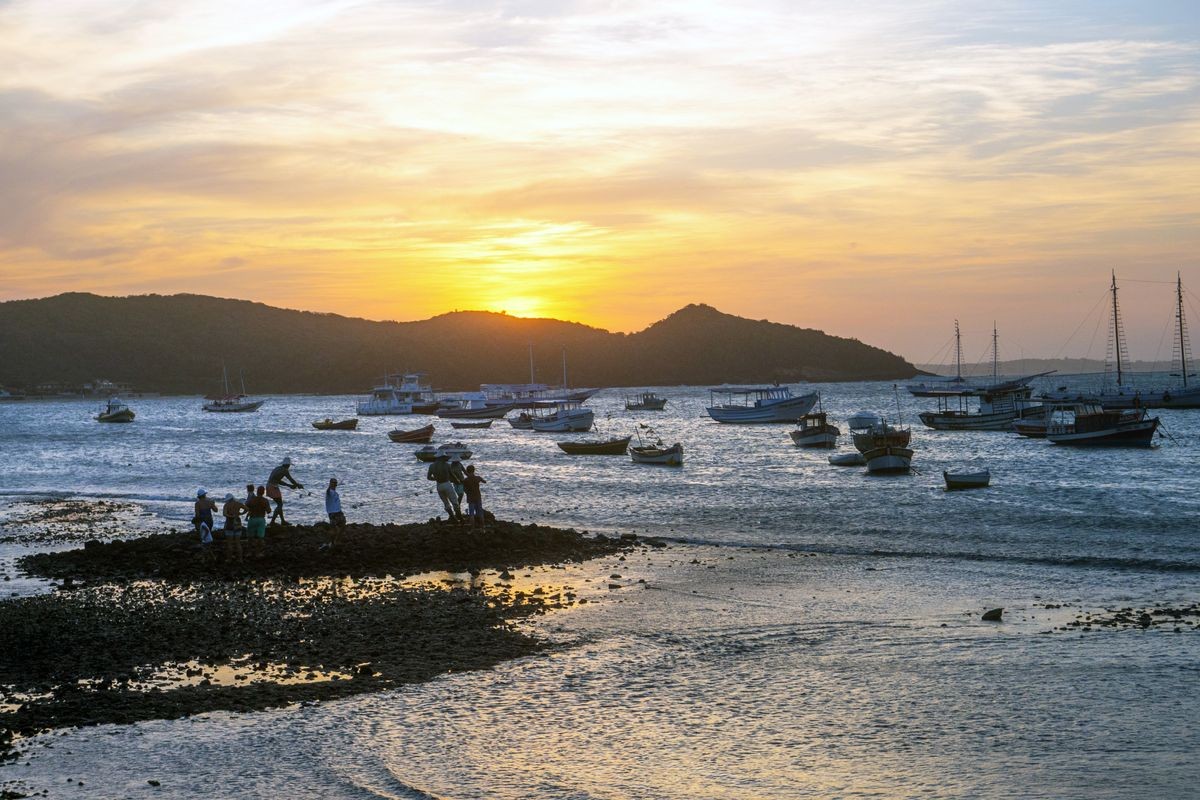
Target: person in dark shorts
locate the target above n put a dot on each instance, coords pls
(281, 476)
(233, 529)
(205, 506)
(471, 485)
(439, 471)
(458, 475)
(333, 507)
(256, 521)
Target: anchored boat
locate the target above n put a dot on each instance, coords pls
(657, 454)
(328, 424)
(646, 401)
(1091, 424)
(967, 480)
(474, 405)
(758, 404)
(487, 423)
(815, 431)
(450, 450)
(567, 416)
(230, 402)
(115, 411)
(607, 447)
(418, 436)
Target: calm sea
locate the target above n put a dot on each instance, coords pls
(816, 633)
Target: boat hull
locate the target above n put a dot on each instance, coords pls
(429, 454)
(847, 460)
(1181, 397)
(233, 408)
(490, 412)
(888, 459)
(571, 423)
(1134, 434)
(614, 447)
(788, 410)
(487, 423)
(654, 405)
(343, 425)
(117, 416)
(954, 421)
(662, 456)
(969, 480)
(419, 436)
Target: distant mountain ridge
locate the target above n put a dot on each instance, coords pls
(178, 343)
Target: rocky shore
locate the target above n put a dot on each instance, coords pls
(154, 628)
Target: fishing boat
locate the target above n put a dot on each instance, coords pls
(657, 454)
(758, 404)
(473, 405)
(966, 480)
(328, 424)
(567, 416)
(401, 395)
(418, 436)
(854, 459)
(1090, 424)
(1124, 395)
(939, 386)
(115, 411)
(884, 448)
(522, 422)
(606, 447)
(881, 432)
(534, 395)
(450, 450)
(487, 423)
(230, 402)
(888, 458)
(646, 401)
(815, 431)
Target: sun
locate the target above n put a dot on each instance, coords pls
(519, 306)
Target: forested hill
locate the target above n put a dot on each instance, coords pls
(178, 344)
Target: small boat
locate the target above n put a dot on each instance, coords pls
(646, 401)
(231, 403)
(607, 447)
(487, 423)
(1091, 424)
(657, 454)
(568, 417)
(847, 460)
(756, 404)
(888, 458)
(450, 450)
(474, 405)
(815, 431)
(522, 422)
(863, 420)
(419, 436)
(115, 411)
(329, 425)
(967, 480)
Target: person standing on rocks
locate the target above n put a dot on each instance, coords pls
(471, 484)
(439, 471)
(281, 476)
(232, 511)
(205, 506)
(337, 518)
(256, 521)
(458, 475)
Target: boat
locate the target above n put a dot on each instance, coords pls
(534, 395)
(888, 458)
(487, 423)
(1032, 427)
(1185, 394)
(115, 411)
(9, 397)
(758, 404)
(967, 480)
(863, 420)
(1090, 424)
(230, 402)
(646, 401)
(418, 436)
(406, 395)
(474, 405)
(522, 422)
(815, 431)
(567, 416)
(880, 433)
(885, 446)
(854, 459)
(657, 454)
(607, 447)
(328, 424)
(939, 386)
(450, 450)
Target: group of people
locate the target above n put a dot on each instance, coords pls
(453, 484)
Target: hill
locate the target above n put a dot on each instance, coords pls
(178, 344)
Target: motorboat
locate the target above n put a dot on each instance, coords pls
(657, 454)
(328, 424)
(758, 404)
(474, 405)
(399, 396)
(1091, 424)
(567, 416)
(967, 480)
(607, 447)
(487, 423)
(418, 436)
(522, 422)
(450, 450)
(854, 459)
(115, 411)
(815, 431)
(646, 401)
(230, 402)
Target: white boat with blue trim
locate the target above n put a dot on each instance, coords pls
(748, 405)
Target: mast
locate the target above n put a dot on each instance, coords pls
(1117, 330)
(995, 353)
(1183, 337)
(957, 353)
(564, 370)
(531, 380)
(242, 374)
(225, 377)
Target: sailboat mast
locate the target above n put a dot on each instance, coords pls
(995, 352)
(957, 353)
(1117, 328)
(564, 369)
(1183, 348)
(225, 377)
(531, 380)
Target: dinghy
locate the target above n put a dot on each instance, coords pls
(665, 456)
(967, 480)
(847, 460)
(429, 453)
(419, 436)
(328, 424)
(487, 423)
(609, 447)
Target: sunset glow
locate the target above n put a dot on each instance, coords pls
(874, 172)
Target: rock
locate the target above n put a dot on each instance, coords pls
(153, 782)
(994, 615)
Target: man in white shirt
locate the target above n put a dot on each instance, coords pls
(333, 507)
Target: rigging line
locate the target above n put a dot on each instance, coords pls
(1095, 332)
(1167, 328)
(940, 354)
(1102, 298)
(1136, 280)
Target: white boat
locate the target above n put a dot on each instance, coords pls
(8, 397)
(1185, 394)
(967, 480)
(940, 386)
(405, 395)
(657, 454)
(815, 431)
(450, 450)
(474, 405)
(854, 459)
(115, 411)
(888, 458)
(231, 403)
(534, 395)
(646, 401)
(749, 405)
(863, 420)
(568, 415)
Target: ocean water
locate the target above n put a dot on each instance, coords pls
(815, 633)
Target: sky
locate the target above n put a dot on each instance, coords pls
(871, 169)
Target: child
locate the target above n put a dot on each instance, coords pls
(474, 497)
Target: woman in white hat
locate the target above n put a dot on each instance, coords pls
(205, 506)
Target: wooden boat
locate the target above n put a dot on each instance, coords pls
(568, 417)
(967, 480)
(522, 422)
(646, 401)
(815, 431)
(429, 453)
(329, 425)
(419, 436)
(608, 447)
(888, 458)
(756, 404)
(115, 411)
(651, 454)
(847, 460)
(881, 434)
(1093, 425)
(474, 405)
(487, 423)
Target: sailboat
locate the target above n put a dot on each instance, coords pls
(1186, 394)
(230, 402)
(957, 385)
